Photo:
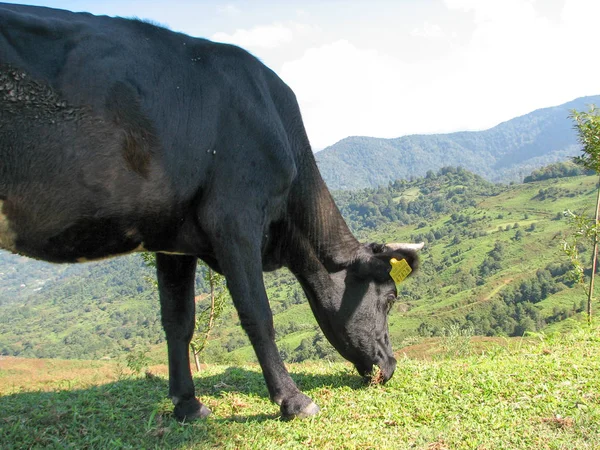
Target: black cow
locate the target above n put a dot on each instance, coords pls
(119, 136)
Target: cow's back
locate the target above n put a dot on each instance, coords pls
(119, 125)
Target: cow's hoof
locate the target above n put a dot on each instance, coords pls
(298, 407)
(189, 410)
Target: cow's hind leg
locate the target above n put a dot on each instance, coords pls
(237, 247)
(176, 275)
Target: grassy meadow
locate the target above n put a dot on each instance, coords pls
(455, 392)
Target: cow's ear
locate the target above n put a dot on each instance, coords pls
(379, 262)
(410, 256)
(395, 264)
(377, 266)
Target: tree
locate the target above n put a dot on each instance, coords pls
(587, 125)
(206, 319)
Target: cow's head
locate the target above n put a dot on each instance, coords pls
(354, 316)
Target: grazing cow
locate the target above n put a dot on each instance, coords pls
(119, 136)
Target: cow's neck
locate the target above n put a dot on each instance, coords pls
(317, 222)
(316, 281)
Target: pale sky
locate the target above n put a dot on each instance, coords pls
(388, 68)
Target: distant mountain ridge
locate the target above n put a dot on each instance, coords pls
(506, 152)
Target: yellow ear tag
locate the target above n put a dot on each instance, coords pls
(400, 270)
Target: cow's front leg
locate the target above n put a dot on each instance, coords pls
(240, 259)
(176, 275)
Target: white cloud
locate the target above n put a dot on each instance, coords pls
(268, 36)
(428, 30)
(519, 60)
(229, 9)
(344, 90)
(582, 16)
(516, 60)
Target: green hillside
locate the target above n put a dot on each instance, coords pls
(492, 266)
(504, 153)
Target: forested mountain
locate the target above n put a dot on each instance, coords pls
(492, 264)
(506, 152)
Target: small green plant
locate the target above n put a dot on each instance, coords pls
(137, 360)
(456, 341)
(411, 340)
(206, 319)
(120, 371)
(150, 260)
(583, 230)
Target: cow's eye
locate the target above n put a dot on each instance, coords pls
(390, 300)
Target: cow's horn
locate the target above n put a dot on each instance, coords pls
(398, 246)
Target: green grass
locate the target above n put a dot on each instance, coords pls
(544, 394)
